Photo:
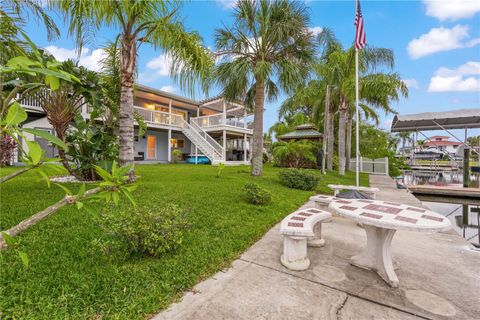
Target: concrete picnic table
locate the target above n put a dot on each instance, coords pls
(381, 219)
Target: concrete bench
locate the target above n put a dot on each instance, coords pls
(300, 228)
(367, 190)
(322, 201)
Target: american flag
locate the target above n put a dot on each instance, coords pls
(360, 38)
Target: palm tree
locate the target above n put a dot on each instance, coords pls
(377, 89)
(138, 21)
(404, 136)
(13, 13)
(267, 49)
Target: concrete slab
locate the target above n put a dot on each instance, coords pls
(249, 291)
(439, 278)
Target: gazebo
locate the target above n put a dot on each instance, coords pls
(302, 132)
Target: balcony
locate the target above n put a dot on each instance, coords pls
(159, 117)
(218, 121)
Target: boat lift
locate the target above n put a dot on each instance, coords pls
(446, 121)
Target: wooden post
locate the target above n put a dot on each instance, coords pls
(466, 167)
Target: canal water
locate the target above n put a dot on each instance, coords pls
(463, 212)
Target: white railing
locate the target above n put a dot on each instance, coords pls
(159, 117)
(33, 100)
(218, 148)
(218, 120)
(373, 166)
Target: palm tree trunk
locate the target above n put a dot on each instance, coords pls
(126, 132)
(257, 152)
(330, 137)
(348, 148)
(341, 137)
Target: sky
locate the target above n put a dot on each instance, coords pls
(436, 46)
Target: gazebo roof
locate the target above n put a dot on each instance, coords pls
(304, 131)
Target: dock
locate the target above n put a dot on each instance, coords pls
(451, 191)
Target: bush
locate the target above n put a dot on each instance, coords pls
(151, 231)
(295, 154)
(255, 194)
(176, 155)
(299, 179)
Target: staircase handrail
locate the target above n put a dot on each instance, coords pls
(217, 148)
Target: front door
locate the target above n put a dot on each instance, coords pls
(151, 147)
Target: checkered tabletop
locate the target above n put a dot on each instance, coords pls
(390, 215)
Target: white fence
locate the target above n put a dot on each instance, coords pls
(373, 166)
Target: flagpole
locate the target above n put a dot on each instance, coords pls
(357, 135)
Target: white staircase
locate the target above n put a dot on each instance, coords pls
(207, 145)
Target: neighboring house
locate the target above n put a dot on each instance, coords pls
(214, 127)
(443, 144)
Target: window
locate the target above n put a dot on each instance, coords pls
(177, 143)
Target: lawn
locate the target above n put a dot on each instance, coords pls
(69, 279)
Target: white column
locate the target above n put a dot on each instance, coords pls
(224, 113)
(169, 115)
(245, 153)
(196, 150)
(224, 141)
(245, 118)
(169, 148)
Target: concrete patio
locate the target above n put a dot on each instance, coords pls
(439, 278)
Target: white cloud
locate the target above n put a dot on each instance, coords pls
(441, 39)
(452, 9)
(411, 83)
(471, 67)
(156, 68)
(455, 83)
(315, 30)
(447, 80)
(226, 4)
(168, 88)
(87, 59)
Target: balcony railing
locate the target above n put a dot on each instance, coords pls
(219, 120)
(159, 117)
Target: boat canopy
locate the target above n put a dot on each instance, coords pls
(455, 119)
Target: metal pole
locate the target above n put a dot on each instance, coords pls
(358, 120)
(325, 130)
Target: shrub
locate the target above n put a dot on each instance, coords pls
(176, 155)
(151, 231)
(299, 179)
(255, 194)
(295, 154)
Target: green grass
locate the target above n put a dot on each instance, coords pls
(68, 279)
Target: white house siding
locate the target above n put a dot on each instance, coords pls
(162, 144)
(41, 123)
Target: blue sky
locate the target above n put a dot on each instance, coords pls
(436, 45)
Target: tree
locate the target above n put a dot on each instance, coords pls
(404, 136)
(12, 13)
(267, 49)
(137, 21)
(62, 105)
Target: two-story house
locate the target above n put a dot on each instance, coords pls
(212, 128)
(443, 144)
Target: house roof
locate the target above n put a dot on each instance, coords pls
(443, 143)
(304, 131)
(439, 137)
(455, 119)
